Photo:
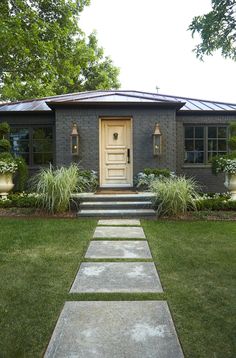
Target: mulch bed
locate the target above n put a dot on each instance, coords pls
(194, 216)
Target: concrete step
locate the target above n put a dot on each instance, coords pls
(116, 213)
(115, 205)
(91, 197)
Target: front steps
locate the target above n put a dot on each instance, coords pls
(115, 205)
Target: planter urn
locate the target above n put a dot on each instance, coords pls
(230, 184)
(6, 184)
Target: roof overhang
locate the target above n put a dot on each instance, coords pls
(80, 104)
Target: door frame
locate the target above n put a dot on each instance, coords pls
(120, 118)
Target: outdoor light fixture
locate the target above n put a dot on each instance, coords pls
(157, 141)
(74, 140)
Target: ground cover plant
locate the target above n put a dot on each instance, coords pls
(196, 263)
(38, 261)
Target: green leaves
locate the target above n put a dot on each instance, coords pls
(44, 52)
(217, 30)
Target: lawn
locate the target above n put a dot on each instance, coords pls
(38, 261)
(197, 267)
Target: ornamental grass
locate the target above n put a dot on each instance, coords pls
(175, 196)
(55, 187)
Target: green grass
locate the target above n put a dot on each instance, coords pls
(38, 261)
(196, 263)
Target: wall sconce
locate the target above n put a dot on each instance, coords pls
(74, 140)
(157, 141)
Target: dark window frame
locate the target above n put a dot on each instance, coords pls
(205, 139)
(31, 152)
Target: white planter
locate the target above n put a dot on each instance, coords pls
(230, 184)
(6, 184)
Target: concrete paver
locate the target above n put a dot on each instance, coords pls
(119, 232)
(117, 329)
(117, 277)
(118, 249)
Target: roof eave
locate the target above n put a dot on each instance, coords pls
(174, 105)
(206, 112)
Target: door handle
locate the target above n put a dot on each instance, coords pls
(128, 155)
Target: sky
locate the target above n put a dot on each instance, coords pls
(149, 42)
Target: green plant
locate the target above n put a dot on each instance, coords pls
(158, 172)
(5, 145)
(4, 129)
(216, 203)
(19, 200)
(232, 143)
(175, 196)
(219, 162)
(23, 174)
(87, 181)
(7, 167)
(143, 180)
(55, 187)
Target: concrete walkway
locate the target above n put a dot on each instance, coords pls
(116, 329)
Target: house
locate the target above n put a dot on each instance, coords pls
(117, 131)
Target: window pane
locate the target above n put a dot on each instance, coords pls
(189, 145)
(189, 157)
(188, 132)
(222, 132)
(19, 138)
(222, 145)
(212, 132)
(199, 132)
(212, 144)
(211, 155)
(42, 133)
(199, 145)
(42, 158)
(19, 133)
(42, 146)
(198, 157)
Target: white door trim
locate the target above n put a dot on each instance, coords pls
(130, 185)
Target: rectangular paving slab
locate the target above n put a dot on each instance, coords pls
(122, 249)
(117, 277)
(112, 329)
(119, 232)
(118, 222)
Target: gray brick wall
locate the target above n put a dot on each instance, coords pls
(203, 174)
(143, 126)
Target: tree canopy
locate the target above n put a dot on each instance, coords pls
(44, 52)
(217, 30)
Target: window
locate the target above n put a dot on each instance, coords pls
(202, 143)
(35, 144)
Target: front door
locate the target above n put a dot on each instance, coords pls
(115, 153)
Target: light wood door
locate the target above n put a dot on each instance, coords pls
(115, 153)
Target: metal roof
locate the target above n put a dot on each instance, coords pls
(116, 97)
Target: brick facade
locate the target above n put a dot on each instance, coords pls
(144, 121)
(202, 173)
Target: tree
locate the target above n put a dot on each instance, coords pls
(43, 51)
(217, 30)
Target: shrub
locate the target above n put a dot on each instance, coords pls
(4, 129)
(5, 145)
(216, 202)
(21, 200)
(22, 174)
(157, 172)
(55, 187)
(87, 181)
(144, 179)
(175, 196)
